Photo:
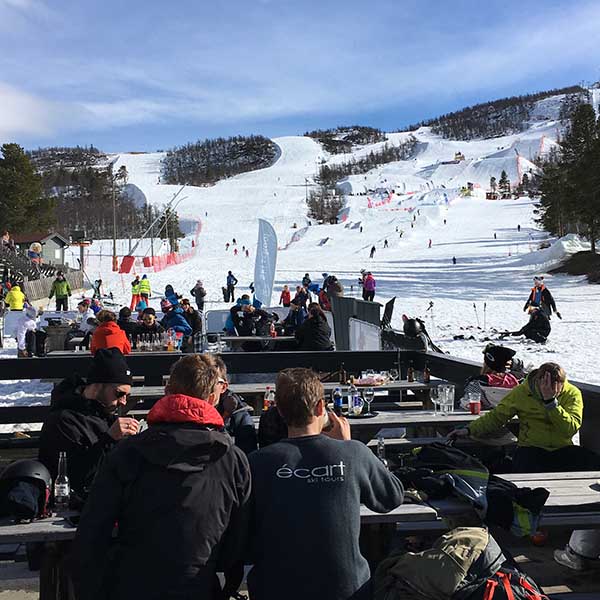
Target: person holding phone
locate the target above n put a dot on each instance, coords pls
(550, 411)
(306, 495)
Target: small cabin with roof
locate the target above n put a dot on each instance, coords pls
(53, 245)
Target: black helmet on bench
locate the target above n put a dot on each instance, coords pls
(412, 327)
(25, 487)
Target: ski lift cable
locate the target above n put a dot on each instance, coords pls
(144, 235)
(163, 226)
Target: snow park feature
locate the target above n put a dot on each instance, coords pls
(495, 259)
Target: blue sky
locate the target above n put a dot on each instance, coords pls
(144, 75)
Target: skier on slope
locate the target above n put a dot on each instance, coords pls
(231, 283)
(199, 294)
(541, 297)
(372, 254)
(369, 286)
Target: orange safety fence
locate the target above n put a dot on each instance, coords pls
(162, 261)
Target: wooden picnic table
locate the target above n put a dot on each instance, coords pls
(364, 429)
(87, 352)
(574, 501)
(156, 391)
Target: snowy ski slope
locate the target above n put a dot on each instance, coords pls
(495, 272)
(488, 285)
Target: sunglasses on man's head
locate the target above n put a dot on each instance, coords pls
(121, 393)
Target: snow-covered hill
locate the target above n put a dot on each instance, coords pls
(495, 243)
(495, 261)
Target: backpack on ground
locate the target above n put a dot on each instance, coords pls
(508, 583)
(464, 564)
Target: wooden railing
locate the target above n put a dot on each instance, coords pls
(154, 366)
(40, 288)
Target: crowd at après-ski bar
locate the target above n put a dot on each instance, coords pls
(175, 323)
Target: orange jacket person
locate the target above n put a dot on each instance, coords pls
(108, 334)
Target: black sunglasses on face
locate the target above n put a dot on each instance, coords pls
(121, 393)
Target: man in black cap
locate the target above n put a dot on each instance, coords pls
(83, 420)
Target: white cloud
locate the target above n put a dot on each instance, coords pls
(283, 73)
(24, 114)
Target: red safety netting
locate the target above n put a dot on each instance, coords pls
(158, 263)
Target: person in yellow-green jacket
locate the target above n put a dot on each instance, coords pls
(15, 298)
(145, 289)
(550, 411)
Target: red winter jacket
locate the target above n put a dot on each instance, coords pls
(110, 335)
(285, 297)
(505, 380)
(178, 408)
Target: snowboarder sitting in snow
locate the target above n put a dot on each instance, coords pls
(538, 328)
(541, 297)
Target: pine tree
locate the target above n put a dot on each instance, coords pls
(504, 183)
(22, 205)
(571, 184)
(168, 226)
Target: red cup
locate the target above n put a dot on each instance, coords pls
(475, 407)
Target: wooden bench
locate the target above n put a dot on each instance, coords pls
(404, 444)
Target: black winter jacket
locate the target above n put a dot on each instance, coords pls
(128, 326)
(199, 294)
(547, 303)
(247, 323)
(79, 427)
(194, 320)
(314, 335)
(178, 493)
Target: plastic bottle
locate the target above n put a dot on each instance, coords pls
(62, 489)
(337, 401)
(354, 399)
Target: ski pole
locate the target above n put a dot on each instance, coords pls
(476, 314)
(484, 316)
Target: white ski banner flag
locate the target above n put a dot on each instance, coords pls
(266, 261)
